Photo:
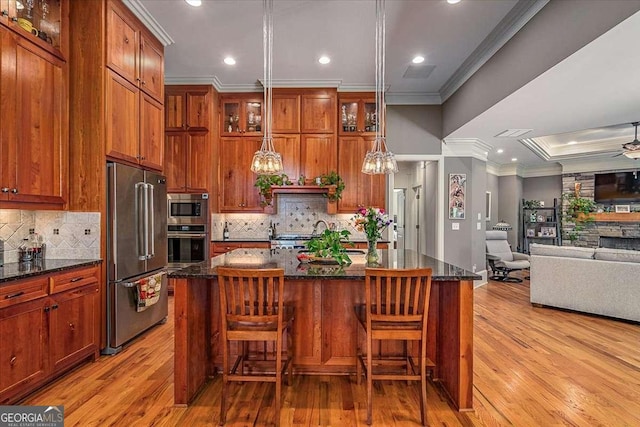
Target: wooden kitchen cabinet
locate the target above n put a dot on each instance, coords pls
(132, 54)
(237, 190)
(33, 135)
(357, 114)
(241, 115)
(219, 248)
(289, 148)
(188, 138)
(286, 112)
(360, 189)
(318, 155)
(318, 112)
(47, 324)
(135, 141)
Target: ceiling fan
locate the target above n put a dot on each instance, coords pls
(632, 149)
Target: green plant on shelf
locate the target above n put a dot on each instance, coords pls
(332, 178)
(264, 184)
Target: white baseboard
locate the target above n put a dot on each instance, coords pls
(481, 282)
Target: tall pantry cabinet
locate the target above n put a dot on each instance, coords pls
(116, 94)
(34, 109)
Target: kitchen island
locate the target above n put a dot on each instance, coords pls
(325, 325)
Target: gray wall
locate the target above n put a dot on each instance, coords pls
(557, 31)
(544, 188)
(492, 185)
(510, 188)
(414, 129)
(466, 247)
(430, 204)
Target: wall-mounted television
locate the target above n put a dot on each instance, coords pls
(617, 187)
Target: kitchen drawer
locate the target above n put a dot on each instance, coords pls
(73, 279)
(23, 290)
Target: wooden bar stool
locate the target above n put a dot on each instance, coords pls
(396, 308)
(252, 309)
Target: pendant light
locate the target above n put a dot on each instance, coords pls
(380, 160)
(267, 161)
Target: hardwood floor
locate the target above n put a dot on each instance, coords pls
(532, 367)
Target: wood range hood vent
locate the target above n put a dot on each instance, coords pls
(327, 190)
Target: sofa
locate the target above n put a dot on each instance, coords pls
(598, 281)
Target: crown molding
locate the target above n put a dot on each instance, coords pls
(412, 98)
(203, 80)
(301, 83)
(550, 169)
(357, 88)
(598, 164)
(149, 21)
(466, 147)
(493, 168)
(517, 17)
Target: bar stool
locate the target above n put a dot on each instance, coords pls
(252, 309)
(396, 308)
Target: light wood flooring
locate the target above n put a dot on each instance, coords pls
(532, 367)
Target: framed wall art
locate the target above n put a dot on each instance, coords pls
(457, 190)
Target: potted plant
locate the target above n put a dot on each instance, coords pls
(264, 183)
(578, 211)
(330, 245)
(332, 178)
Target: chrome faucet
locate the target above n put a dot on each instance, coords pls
(315, 226)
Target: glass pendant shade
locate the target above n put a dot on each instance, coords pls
(632, 154)
(266, 161)
(380, 160)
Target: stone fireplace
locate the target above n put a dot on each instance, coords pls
(617, 242)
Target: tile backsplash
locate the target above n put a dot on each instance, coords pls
(296, 214)
(67, 235)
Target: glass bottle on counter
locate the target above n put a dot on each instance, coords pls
(225, 232)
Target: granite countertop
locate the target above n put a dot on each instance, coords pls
(18, 270)
(286, 258)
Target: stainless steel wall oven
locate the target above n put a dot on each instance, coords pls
(188, 236)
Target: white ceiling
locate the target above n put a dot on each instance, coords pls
(593, 88)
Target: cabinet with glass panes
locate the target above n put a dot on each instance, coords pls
(39, 21)
(241, 115)
(357, 113)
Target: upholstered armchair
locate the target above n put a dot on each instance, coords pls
(501, 259)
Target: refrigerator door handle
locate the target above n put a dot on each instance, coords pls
(152, 227)
(141, 231)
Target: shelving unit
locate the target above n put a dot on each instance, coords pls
(540, 225)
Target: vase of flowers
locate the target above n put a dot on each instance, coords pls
(372, 221)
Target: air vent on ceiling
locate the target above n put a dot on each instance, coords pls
(418, 71)
(513, 133)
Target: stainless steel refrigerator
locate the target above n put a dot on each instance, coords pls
(137, 249)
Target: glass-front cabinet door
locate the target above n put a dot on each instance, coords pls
(241, 116)
(37, 20)
(357, 114)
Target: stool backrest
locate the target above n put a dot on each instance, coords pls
(397, 295)
(251, 296)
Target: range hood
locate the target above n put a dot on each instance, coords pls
(327, 190)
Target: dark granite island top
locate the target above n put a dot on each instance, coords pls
(18, 270)
(293, 269)
(325, 324)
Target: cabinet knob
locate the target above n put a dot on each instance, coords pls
(72, 326)
(12, 361)
(5, 189)
(142, 157)
(143, 83)
(5, 13)
(47, 309)
(14, 190)
(54, 307)
(126, 39)
(14, 19)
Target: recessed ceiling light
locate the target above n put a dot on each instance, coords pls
(500, 151)
(418, 59)
(513, 159)
(571, 143)
(324, 60)
(194, 3)
(229, 61)
(453, 1)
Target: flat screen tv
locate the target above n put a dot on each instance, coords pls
(617, 187)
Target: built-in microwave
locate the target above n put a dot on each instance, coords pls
(188, 208)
